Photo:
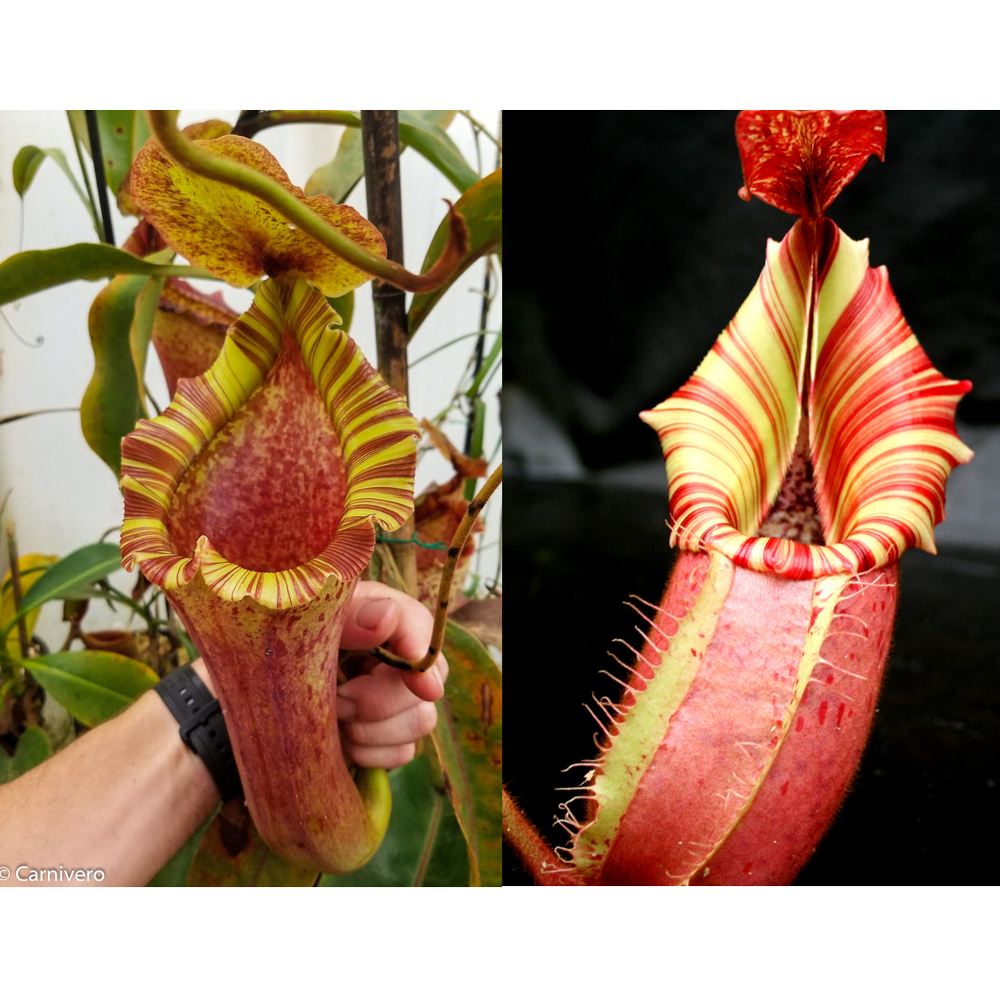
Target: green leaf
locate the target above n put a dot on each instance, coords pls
(441, 120)
(77, 570)
(78, 123)
(112, 404)
(139, 334)
(433, 144)
(482, 208)
(338, 178)
(26, 165)
(478, 426)
(475, 449)
(92, 686)
(423, 845)
(28, 576)
(459, 787)
(483, 373)
(35, 270)
(32, 748)
(123, 134)
(233, 853)
(192, 650)
(343, 306)
(175, 871)
(471, 723)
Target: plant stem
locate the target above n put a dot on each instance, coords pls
(35, 413)
(15, 583)
(252, 122)
(86, 176)
(201, 161)
(480, 345)
(380, 145)
(99, 178)
(465, 336)
(479, 126)
(242, 122)
(470, 485)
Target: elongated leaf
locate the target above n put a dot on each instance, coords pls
(78, 569)
(26, 165)
(423, 845)
(476, 442)
(434, 145)
(35, 270)
(78, 124)
(482, 208)
(139, 334)
(471, 723)
(122, 136)
(175, 871)
(440, 120)
(32, 748)
(459, 787)
(90, 685)
(484, 371)
(233, 853)
(112, 403)
(338, 178)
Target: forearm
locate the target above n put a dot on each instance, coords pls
(122, 799)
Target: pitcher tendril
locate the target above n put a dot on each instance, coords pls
(441, 611)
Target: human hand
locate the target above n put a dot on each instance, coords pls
(383, 713)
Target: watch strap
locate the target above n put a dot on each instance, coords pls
(202, 726)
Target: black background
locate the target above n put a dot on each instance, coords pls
(631, 252)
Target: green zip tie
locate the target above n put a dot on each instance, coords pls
(411, 541)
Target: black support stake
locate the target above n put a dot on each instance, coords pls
(99, 177)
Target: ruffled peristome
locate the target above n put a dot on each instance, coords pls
(252, 501)
(881, 418)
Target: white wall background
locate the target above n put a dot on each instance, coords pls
(63, 496)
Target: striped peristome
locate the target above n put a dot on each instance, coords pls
(371, 421)
(881, 418)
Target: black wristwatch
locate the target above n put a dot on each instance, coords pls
(203, 727)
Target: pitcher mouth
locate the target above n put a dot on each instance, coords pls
(825, 342)
(273, 514)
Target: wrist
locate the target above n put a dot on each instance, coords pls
(206, 678)
(192, 703)
(186, 769)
